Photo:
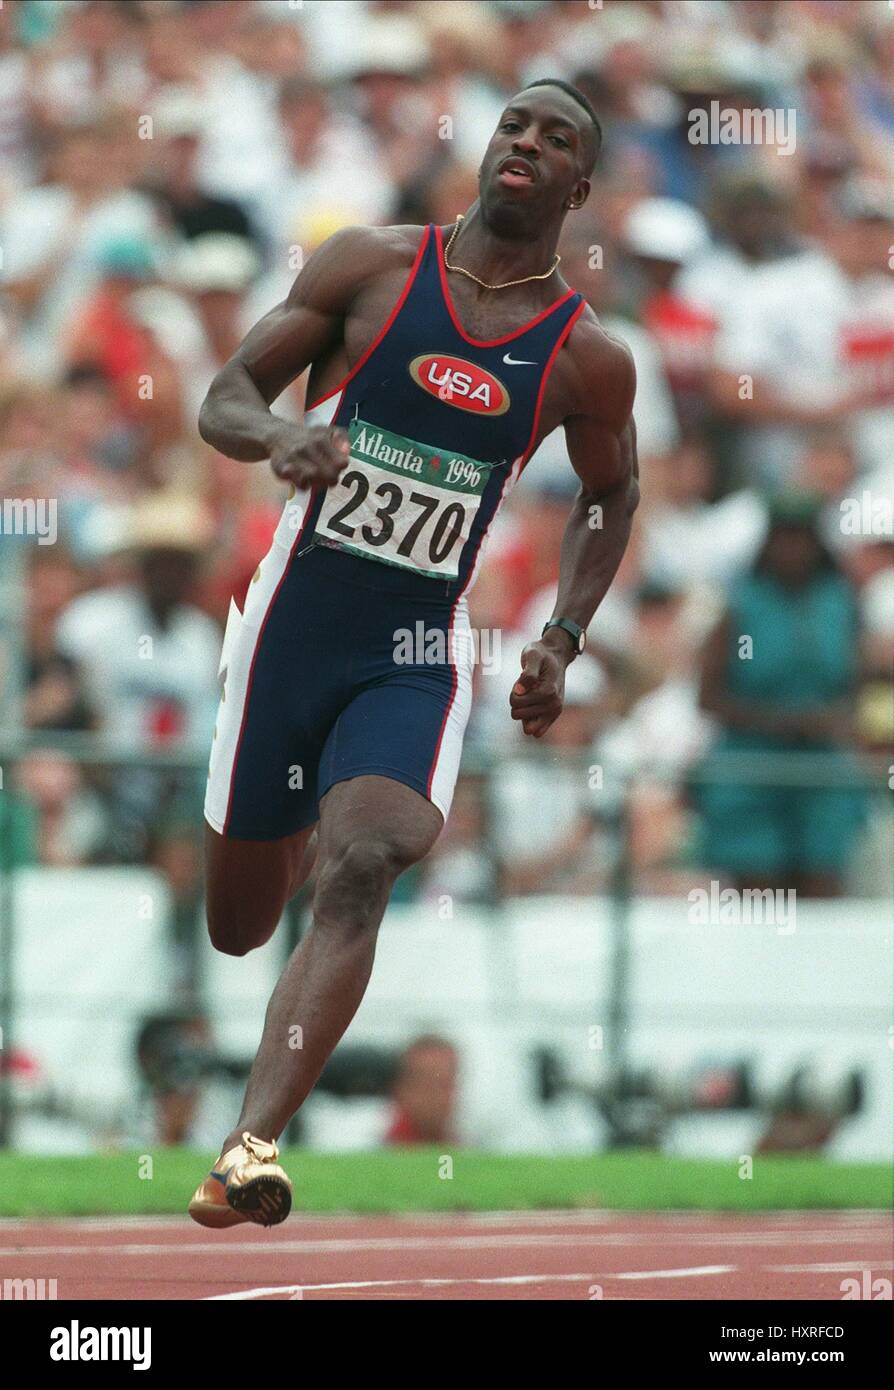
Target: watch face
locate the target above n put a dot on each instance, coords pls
(582, 640)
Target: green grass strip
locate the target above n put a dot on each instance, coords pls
(412, 1181)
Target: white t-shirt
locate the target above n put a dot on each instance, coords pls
(662, 735)
(239, 131)
(703, 543)
(40, 228)
(714, 280)
(538, 804)
(145, 682)
(805, 328)
(657, 431)
(346, 183)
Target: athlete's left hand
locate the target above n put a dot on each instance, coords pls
(538, 694)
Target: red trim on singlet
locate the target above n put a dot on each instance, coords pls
(254, 656)
(529, 447)
(365, 356)
(486, 342)
(481, 539)
(533, 435)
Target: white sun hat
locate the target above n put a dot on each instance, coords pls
(666, 229)
(215, 261)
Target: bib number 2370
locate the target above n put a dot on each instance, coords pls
(403, 502)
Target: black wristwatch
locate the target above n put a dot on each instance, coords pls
(577, 633)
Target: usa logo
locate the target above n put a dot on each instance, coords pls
(458, 382)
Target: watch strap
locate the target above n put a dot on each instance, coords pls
(574, 630)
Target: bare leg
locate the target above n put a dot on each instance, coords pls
(249, 882)
(371, 829)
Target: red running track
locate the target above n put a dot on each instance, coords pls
(500, 1255)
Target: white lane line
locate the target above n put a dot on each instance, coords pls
(692, 1273)
(842, 1267)
(290, 1289)
(339, 1246)
(293, 1289)
(322, 1246)
(441, 1241)
(562, 1216)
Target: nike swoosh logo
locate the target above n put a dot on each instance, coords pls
(517, 362)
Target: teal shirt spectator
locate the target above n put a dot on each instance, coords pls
(803, 649)
(803, 654)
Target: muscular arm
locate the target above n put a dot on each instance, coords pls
(598, 528)
(602, 447)
(236, 417)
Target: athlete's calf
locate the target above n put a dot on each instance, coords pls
(371, 829)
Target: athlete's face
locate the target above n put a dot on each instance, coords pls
(537, 160)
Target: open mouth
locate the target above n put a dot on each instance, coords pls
(516, 173)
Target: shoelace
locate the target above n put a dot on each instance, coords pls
(256, 1147)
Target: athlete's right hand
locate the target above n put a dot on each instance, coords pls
(309, 456)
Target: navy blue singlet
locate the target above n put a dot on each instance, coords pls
(354, 654)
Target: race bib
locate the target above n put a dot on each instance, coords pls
(403, 503)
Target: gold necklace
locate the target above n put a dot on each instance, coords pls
(508, 283)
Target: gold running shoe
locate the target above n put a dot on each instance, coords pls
(245, 1184)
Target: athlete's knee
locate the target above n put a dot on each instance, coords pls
(303, 865)
(233, 931)
(355, 880)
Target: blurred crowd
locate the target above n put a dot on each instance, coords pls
(166, 166)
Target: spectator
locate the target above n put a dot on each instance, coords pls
(424, 1094)
(91, 63)
(321, 151)
(664, 235)
(135, 257)
(779, 675)
(16, 107)
(569, 853)
(646, 750)
(54, 694)
(67, 821)
(460, 868)
(752, 217)
(175, 1060)
(688, 538)
(148, 657)
(51, 234)
(174, 179)
(810, 341)
(203, 316)
(107, 334)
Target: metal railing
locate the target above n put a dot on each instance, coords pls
(96, 751)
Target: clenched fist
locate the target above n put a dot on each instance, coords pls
(539, 693)
(309, 456)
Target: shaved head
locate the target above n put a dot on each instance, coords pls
(591, 131)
